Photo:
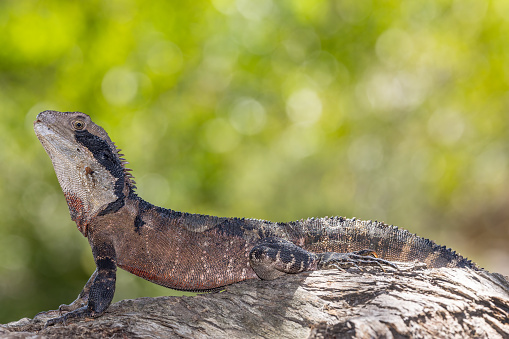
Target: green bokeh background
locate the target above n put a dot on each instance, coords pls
(280, 110)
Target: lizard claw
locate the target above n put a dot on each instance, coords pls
(339, 268)
(43, 314)
(59, 316)
(54, 321)
(82, 312)
(354, 259)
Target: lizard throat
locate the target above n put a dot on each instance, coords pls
(78, 212)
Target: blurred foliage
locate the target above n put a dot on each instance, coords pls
(279, 110)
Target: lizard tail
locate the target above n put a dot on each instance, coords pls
(389, 242)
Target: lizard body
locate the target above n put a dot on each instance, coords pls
(191, 251)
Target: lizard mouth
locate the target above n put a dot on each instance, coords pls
(43, 121)
(43, 132)
(48, 138)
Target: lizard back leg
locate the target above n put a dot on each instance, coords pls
(357, 259)
(273, 257)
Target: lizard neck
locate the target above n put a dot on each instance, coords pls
(97, 198)
(101, 182)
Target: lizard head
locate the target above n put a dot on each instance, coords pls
(88, 166)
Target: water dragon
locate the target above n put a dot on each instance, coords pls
(197, 252)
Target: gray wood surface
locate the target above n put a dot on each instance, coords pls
(417, 303)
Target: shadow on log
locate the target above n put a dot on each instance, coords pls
(440, 303)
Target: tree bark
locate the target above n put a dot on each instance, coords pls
(411, 302)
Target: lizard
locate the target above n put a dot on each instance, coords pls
(195, 252)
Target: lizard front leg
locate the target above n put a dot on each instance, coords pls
(99, 290)
(273, 257)
(82, 298)
(80, 301)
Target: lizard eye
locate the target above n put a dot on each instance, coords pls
(78, 125)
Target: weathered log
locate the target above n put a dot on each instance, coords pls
(415, 303)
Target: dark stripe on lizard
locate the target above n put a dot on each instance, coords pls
(105, 156)
(106, 263)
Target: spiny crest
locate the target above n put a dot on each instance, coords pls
(127, 171)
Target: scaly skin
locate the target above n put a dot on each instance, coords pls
(190, 251)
